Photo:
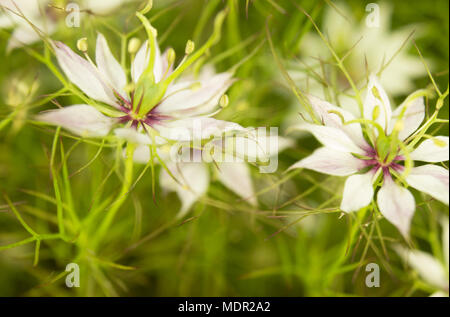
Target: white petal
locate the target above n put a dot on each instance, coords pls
(186, 98)
(194, 178)
(328, 161)
(332, 138)
(412, 117)
(195, 128)
(131, 135)
(376, 97)
(83, 74)
(141, 154)
(236, 177)
(328, 116)
(431, 150)
(358, 192)
(141, 61)
(83, 120)
(430, 179)
(429, 269)
(397, 205)
(109, 67)
(22, 35)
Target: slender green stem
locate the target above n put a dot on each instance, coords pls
(126, 185)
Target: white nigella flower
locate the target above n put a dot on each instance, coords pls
(431, 270)
(42, 17)
(368, 43)
(182, 103)
(160, 107)
(11, 12)
(347, 153)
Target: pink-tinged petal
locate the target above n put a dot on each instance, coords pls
(83, 74)
(333, 138)
(236, 177)
(194, 179)
(332, 116)
(376, 98)
(83, 120)
(109, 67)
(432, 150)
(328, 161)
(195, 128)
(412, 116)
(430, 179)
(396, 204)
(141, 60)
(358, 192)
(429, 269)
(194, 98)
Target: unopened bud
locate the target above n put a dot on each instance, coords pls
(82, 44)
(190, 46)
(133, 45)
(170, 56)
(224, 100)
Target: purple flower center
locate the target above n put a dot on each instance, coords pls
(376, 162)
(132, 115)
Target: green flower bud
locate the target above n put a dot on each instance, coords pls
(82, 44)
(133, 45)
(171, 56)
(223, 101)
(190, 47)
